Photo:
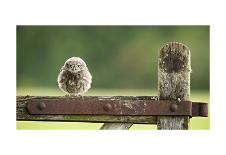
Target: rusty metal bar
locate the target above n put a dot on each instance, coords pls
(199, 109)
(115, 106)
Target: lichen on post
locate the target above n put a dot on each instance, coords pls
(174, 68)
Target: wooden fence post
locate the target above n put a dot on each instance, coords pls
(174, 68)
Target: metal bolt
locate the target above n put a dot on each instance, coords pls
(41, 106)
(107, 107)
(173, 107)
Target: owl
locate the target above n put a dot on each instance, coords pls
(74, 78)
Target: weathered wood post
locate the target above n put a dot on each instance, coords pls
(174, 68)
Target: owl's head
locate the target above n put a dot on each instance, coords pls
(74, 65)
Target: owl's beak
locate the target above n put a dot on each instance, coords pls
(74, 69)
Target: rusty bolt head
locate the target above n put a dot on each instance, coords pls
(107, 107)
(173, 107)
(41, 106)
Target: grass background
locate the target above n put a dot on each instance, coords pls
(196, 123)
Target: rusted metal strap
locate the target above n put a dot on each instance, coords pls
(120, 107)
(199, 109)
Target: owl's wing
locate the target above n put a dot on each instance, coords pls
(62, 68)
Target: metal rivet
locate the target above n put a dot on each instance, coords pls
(41, 106)
(173, 107)
(107, 107)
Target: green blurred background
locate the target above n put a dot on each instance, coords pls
(122, 60)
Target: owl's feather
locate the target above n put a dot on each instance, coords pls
(74, 77)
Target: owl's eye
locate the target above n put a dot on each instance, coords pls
(78, 66)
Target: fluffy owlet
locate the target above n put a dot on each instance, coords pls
(74, 77)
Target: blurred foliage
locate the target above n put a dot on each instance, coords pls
(117, 56)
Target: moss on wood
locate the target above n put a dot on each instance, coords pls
(174, 68)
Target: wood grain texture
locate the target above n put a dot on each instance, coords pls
(116, 126)
(23, 115)
(174, 68)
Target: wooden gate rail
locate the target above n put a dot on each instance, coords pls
(124, 109)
